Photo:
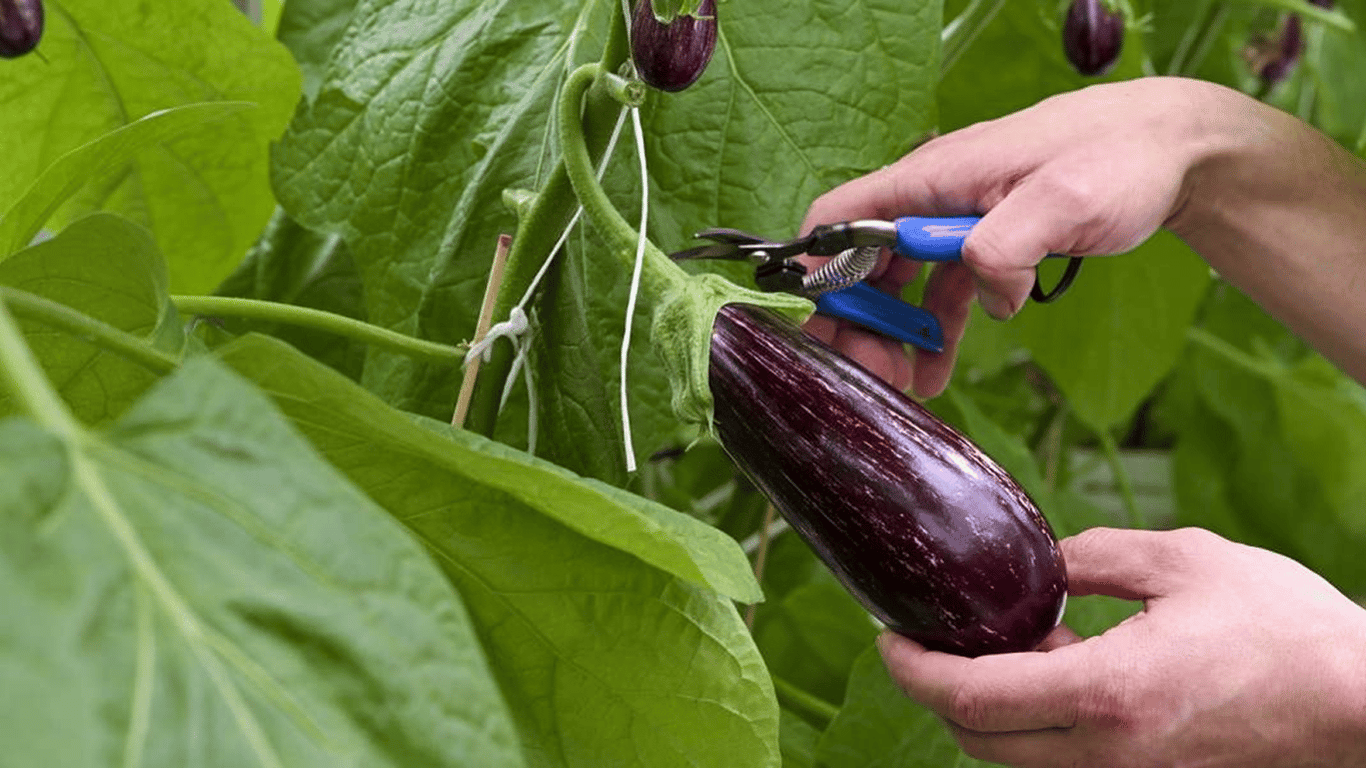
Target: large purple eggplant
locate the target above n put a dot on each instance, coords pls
(672, 56)
(931, 535)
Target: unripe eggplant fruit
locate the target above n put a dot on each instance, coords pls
(672, 56)
(932, 536)
(1092, 36)
(21, 27)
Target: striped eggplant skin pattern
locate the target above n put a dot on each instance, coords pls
(930, 534)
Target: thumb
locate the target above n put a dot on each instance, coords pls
(1015, 235)
(1134, 564)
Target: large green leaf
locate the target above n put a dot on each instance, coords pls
(608, 655)
(103, 156)
(310, 29)
(414, 137)
(1120, 329)
(203, 195)
(1268, 443)
(109, 269)
(196, 587)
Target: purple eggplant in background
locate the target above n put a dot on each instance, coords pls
(1274, 58)
(1282, 53)
(1092, 36)
(932, 536)
(672, 56)
(21, 27)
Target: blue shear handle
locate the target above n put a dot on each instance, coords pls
(933, 238)
(885, 314)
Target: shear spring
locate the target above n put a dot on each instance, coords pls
(842, 271)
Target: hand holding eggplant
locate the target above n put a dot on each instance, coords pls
(1240, 657)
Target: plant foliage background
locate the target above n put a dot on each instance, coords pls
(231, 537)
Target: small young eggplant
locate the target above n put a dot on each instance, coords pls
(672, 56)
(1092, 36)
(21, 27)
(932, 536)
(1279, 55)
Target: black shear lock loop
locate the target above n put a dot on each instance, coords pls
(1069, 274)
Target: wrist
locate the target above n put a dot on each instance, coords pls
(1343, 733)
(1221, 137)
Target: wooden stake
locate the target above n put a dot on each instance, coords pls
(500, 260)
(760, 557)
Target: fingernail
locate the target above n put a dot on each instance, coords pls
(995, 304)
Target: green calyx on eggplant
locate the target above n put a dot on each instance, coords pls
(932, 536)
(21, 27)
(1092, 36)
(672, 55)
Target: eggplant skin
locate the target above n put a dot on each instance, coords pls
(671, 57)
(932, 536)
(1092, 37)
(21, 27)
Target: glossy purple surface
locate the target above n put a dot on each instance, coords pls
(672, 56)
(21, 27)
(1092, 36)
(931, 535)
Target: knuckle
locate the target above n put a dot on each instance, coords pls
(1185, 547)
(969, 706)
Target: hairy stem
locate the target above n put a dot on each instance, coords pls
(659, 274)
(289, 314)
(551, 210)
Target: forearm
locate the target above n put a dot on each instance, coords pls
(1279, 210)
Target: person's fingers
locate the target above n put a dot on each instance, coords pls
(822, 327)
(883, 357)
(997, 693)
(1046, 748)
(948, 296)
(1030, 222)
(1134, 564)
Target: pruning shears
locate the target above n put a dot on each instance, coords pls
(838, 287)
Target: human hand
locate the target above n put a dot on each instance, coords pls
(1094, 171)
(1240, 657)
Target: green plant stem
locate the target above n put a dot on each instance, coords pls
(659, 274)
(23, 376)
(1203, 338)
(79, 324)
(1332, 18)
(341, 325)
(1126, 483)
(959, 33)
(804, 702)
(537, 230)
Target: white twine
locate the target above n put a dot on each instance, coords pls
(635, 288)
(511, 328)
(517, 326)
